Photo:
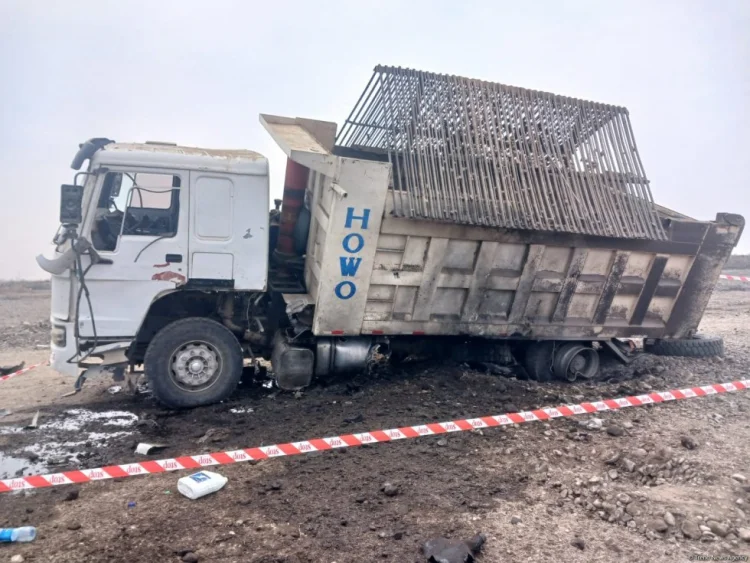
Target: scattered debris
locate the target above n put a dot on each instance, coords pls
(592, 423)
(190, 557)
(131, 504)
(5, 412)
(579, 543)
(628, 464)
(144, 449)
(610, 459)
(354, 419)
(7, 370)
(34, 424)
(615, 430)
(147, 422)
(213, 435)
(442, 550)
(739, 477)
(389, 489)
(73, 526)
(497, 369)
(114, 390)
(241, 410)
(72, 495)
(200, 484)
(24, 534)
(688, 443)
(18, 558)
(515, 520)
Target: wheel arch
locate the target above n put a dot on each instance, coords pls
(169, 306)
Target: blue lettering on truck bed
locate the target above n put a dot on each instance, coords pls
(349, 266)
(352, 243)
(347, 242)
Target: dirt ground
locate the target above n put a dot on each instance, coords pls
(657, 483)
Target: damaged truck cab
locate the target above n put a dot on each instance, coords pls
(159, 218)
(489, 239)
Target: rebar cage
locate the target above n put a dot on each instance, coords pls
(480, 153)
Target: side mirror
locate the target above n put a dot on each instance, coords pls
(71, 200)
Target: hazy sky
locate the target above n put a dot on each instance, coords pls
(200, 72)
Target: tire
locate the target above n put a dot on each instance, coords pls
(198, 340)
(700, 346)
(538, 360)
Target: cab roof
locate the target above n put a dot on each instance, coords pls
(167, 155)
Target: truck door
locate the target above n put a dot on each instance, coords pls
(139, 225)
(228, 230)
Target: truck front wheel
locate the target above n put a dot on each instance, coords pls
(193, 362)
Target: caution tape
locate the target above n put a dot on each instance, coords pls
(21, 371)
(351, 440)
(734, 278)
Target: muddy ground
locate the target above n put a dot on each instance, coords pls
(659, 483)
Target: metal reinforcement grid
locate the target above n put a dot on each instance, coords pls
(479, 153)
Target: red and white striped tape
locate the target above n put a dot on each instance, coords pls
(735, 278)
(351, 440)
(21, 371)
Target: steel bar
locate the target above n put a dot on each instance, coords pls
(480, 153)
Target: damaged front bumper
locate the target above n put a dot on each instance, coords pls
(64, 356)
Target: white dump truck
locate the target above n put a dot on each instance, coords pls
(450, 215)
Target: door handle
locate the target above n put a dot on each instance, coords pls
(174, 258)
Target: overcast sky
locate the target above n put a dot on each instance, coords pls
(199, 72)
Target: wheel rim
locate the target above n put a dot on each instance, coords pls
(574, 360)
(582, 364)
(195, 366)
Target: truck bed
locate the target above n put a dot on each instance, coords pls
(368, 271)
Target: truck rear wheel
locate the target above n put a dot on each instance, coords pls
(538, 360)
(193, 362)
(700, 346)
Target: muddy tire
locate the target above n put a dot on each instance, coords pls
(700, 346)
(538, 360)
(193, 362)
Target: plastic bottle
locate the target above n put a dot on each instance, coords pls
(200, 484)
(23, 534)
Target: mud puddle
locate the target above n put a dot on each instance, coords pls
(11, 467)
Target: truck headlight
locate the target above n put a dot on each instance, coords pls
(58, 336)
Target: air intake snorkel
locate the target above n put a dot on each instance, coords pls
(87, 149)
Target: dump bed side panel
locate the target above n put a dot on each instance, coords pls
(434, 278)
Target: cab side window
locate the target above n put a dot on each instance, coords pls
(139, 204)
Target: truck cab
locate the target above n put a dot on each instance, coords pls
(158, 217)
